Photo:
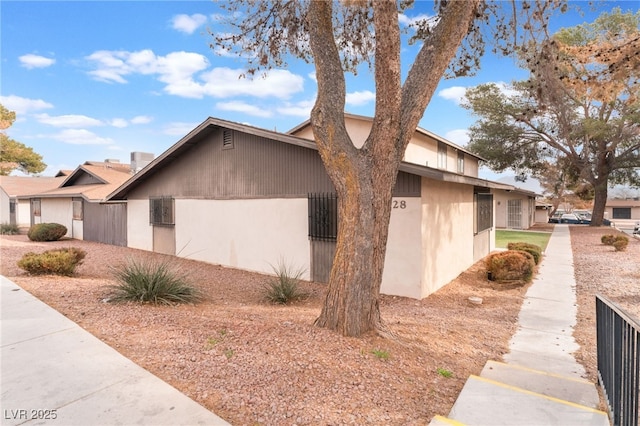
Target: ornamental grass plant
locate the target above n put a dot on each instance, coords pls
(152, 282)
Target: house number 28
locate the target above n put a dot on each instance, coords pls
(399, 204)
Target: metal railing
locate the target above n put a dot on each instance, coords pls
(618, 340)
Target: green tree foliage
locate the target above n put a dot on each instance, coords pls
(13, 154)
(338, 36)
(576, 122)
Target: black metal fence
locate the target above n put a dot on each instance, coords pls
(323, 216)
(618, 340)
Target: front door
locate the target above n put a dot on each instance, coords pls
(514, 214)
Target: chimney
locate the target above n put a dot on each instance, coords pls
(139, 161)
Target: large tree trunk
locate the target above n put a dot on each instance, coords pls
(599, 202)
(351, 304)
(365, 177)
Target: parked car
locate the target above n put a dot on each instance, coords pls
(636, 229)
(556, 217)
(573, 219)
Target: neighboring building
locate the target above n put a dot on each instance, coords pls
(76, 203)
(618, 208)
(515, 208)
(249, 198)
(543, 209)
(15, 207)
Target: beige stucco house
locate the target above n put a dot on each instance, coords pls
(622, 209)
(15, 205)
(248, 198)
(76, 202)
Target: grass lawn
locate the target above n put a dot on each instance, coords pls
(504, 237)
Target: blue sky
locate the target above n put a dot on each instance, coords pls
(91, 80)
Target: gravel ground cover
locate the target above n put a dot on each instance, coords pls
(255, 363)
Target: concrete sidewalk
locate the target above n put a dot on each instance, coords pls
(53, 372)
(544, 340)
(540, 381)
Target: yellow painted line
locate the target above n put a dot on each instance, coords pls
(448, 421)
(527, 392)
(545, 373)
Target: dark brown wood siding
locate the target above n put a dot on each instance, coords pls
(256, 167)
(105, 223)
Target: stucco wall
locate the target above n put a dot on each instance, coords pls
(447, 232)
(78, 229)
(402, 265)
(23, 213)
(139, 232)
(57, 210)
(246, 234)
(4, 207)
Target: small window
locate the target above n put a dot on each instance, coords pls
(323, 217)
(227, 139)
(461, 162)
(161, 211)
(442, 155)
(77, 209)
(36, 207)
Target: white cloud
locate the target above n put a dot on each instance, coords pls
(81, 137)
(298, 109)
(455, 94)
(188, 23)
(179, 128)
(360, 98)
(244, 107)
(31, 61)
(505, 88)
(226, 82)
(411, 20)
(69, 121)
(119, 122)
(23, 105)
(113, 65)
(141, 119)
(458, 136)
(178, 71)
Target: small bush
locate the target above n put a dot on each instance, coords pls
(608, 239)
(46, 232)
(58, 261)
(533, 249)
(510, 265)
(9, 229)
(621, 243)
(152, 282)
(285, 286)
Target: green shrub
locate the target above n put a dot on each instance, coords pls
(152, 282)
(58, 261)
(510, 265)
(47, 232)
(9, 229)
(285, 286)
(621, 243)
(532, 249)
(608, 239)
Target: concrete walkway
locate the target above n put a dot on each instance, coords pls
(544, 340)
(53, 372)
(540, 382)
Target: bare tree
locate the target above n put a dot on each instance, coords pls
(337, 37)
